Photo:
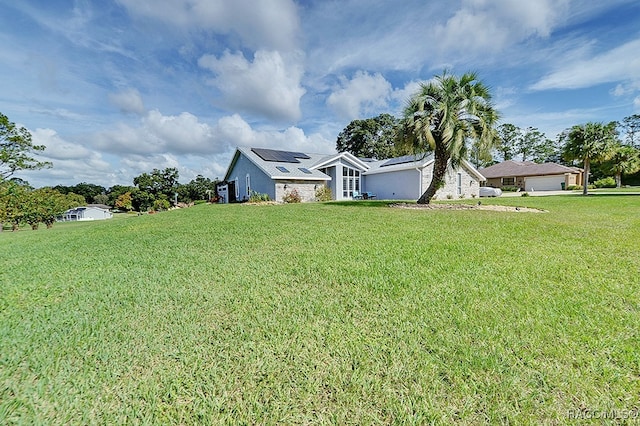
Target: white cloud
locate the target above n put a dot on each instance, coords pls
(128, 101)
(402, 96)
(619, 64)
(157, 133)
(481, 26)
(363, 94)
(72, 162)
(269, 86)
(260, 24)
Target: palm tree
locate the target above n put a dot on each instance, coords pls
(625, 160)
(590, 142)
(443, 116)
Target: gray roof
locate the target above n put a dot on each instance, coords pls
(295, 172)
(512, 168)
(399, 163)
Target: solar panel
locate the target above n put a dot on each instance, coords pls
(400, 160)
(279, 156)
(282, 169)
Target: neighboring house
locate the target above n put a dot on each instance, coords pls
(85, 213)
(530, 176)
(276, 173)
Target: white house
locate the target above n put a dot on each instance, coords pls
(407, 177)
(276, 173)
(85, 213)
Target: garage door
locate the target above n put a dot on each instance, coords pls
(544, 183)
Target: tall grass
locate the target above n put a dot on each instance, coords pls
(345, 313)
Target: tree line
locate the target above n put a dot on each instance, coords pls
(20, 203)
(428, 125)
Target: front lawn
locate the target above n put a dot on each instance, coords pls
(344, 313)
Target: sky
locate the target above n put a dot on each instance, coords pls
(116, 88)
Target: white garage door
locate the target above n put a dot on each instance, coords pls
(544, 183)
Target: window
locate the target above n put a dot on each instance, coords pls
(459, 184)
(237, 188)
(509, 181)
(350, 181)
(282, 169)
(248, 185)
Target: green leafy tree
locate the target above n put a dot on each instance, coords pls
(124, 202)
(200, 188)
(370, 138)
(631, 128)
(509, 137)
(101, 199)
(624, 161)
(142, 200)
(158, 182)
(12, 199)
(443, 116)
(590, 142)
(535, 145)
(116, 191)
(17, 149)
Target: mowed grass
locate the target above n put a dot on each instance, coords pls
(337, 313)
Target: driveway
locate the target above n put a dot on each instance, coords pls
(538, 193)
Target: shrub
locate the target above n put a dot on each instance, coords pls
(525, 194)
(161, 204)
(607, 182)
(292, 197)
(578, 187)
(323, 193)
(449, 196)
(257, 197)
(510, 189)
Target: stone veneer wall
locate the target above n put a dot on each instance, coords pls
(306, 189)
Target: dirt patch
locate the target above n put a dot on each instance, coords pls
(466, 207)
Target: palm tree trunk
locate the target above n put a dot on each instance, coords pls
(440, 163)
(618, 179)
(585, 184)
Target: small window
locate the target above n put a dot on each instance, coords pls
(304, 170)
(282, 169)
(509, 181)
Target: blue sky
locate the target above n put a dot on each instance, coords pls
(115, 88)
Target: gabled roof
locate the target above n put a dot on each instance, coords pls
(408, 162)
(299, 166)
(512, 168)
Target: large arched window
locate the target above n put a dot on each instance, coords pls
(350, 181)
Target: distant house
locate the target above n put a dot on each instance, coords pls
(276, 173)
(85, 213)
(530, 176)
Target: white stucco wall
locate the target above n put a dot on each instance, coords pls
(399, 185)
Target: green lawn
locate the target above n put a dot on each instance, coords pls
(339, 313)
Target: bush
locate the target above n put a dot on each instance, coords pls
(607, 182)
(510, 189)
(257, 197)
(578, 187)
(525, 194)
(323, 193)
(161, 204)
(292, 197)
